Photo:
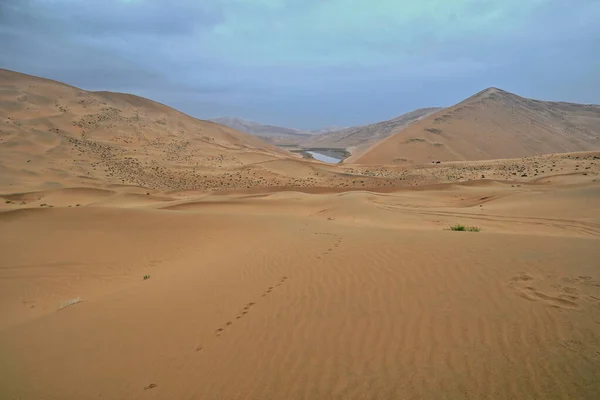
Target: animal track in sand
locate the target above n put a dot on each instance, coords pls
(591, 353)
(337, 243)
(243, 312)
(567, 297)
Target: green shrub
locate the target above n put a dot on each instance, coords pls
(462, 228)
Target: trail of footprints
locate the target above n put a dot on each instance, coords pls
(248, 307)
(570, 291)
(338, 241)
(244, 311)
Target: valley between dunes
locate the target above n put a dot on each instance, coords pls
(145, 254)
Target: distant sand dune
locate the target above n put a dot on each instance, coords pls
(491, 124)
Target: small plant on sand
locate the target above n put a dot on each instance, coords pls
(146, 277)
(462, 228)
(8, 202)
(70, 302)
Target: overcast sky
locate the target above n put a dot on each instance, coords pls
(308, 63)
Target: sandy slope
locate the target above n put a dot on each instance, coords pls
(358, 138)
(491, 124)
(55, 135)
(289, 295)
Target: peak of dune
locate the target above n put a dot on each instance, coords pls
(490, 91)
(491, 124)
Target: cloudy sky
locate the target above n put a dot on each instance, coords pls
(308, 63)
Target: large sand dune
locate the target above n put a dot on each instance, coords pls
(359, 138)
(489, 125)
(272, 277)
(60, 135)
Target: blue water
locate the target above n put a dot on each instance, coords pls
(324, 158)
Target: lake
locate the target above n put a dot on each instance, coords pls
(324, 158)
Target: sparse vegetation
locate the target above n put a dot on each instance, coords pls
(146, 277)
(463, 228)
(8, 202)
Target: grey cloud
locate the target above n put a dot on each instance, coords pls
(109, 17)
(152, 48)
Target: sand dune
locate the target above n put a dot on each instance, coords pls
(359, 138)
(55, 135)
(273, 277)
(492, 124)
(340, 295)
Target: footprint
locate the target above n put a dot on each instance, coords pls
(556, 301)
(574, 345)
(563, 300)
(527, 293)
(522, 277)
(592, 299)
(570, 290)
(568, 297)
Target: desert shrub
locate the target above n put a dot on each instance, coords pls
(462, 228)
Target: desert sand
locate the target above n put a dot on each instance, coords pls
(357, 139)
(273, 277)
(491, 124)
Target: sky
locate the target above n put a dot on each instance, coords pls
(308, 64)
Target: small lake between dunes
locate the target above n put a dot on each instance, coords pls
(324, 158)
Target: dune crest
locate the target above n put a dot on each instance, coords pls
(489, 125)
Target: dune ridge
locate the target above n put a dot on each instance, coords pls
(491, 124)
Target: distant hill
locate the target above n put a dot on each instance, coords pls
(357, 137)
(489, 125)
(327, 129)
(54, 134)
(271, 133)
